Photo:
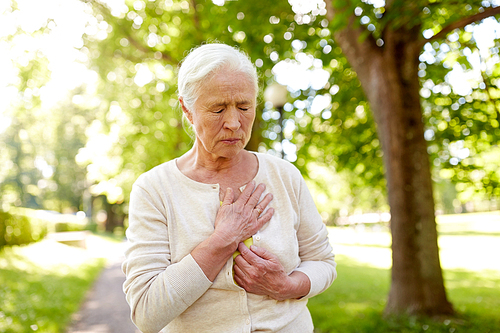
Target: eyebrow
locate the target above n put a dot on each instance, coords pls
(215, 104)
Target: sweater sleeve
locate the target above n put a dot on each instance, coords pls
(315, 251)
(156, 290)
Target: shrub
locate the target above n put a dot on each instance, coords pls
(68, 226)
(19, 229)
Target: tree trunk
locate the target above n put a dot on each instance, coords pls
(389, 77)
(256, 138)
(112, 217)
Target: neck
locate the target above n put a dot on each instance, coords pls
(199, 158)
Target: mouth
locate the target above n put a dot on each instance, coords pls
(231, 141)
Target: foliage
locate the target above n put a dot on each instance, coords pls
(139, 73)
(149, 40)
(17, 174)
(40, 142)
(40, 295)
(20, 230)
(42, 151)
(461, 112)
(98, 142)
(463, 125)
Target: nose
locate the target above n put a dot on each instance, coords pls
(232, 119)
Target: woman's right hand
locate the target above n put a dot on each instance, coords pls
(239, 220)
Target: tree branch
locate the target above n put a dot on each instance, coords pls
(196, 22)
(350, 38)
(196, 18)
(462, 23)
(146, 49)
(487, 88)
(137, 44)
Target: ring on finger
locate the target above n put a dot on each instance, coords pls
(259, 211)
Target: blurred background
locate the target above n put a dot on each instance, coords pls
(88, 102)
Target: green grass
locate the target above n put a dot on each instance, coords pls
(356, 300)
(42, 285)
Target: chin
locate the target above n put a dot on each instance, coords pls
(229, 152)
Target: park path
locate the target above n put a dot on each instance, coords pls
(105, 309)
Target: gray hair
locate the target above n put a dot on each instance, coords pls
(204, 61)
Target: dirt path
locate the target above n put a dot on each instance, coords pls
(105, 309)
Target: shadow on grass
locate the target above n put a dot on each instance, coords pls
(117, 237)
(469, 233)
(34, 298)
(379, 246)
(355, 303)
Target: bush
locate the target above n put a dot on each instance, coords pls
(19, 229)
(68, 226)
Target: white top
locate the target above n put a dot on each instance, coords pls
(170, 214)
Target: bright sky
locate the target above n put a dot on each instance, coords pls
(59, 46)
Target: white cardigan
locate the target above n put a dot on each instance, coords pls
(170, 214)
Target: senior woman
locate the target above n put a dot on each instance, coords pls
(188, 265)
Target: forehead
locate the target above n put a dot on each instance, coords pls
(228, 85)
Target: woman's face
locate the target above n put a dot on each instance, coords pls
(223, 114)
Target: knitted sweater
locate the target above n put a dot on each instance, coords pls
(170, 214)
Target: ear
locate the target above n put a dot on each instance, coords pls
(186, 111)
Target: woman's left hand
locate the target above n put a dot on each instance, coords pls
(259, 271)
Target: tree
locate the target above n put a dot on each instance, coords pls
(136, 49)
(387, 63)
(38, 139)
(18, 175)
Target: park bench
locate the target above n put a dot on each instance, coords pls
(72, 238)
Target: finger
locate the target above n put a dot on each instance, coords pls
(238, 276)
(228, 197)
(248, 256)
(255, 197)
(240, 264)
(247, 192)
(263, 204)
(265, 218)
(261, 252)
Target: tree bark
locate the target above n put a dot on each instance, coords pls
(389, 77)
(417, 282)
(256, 138)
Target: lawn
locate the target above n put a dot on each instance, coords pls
(43, 284)
(469, 244)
